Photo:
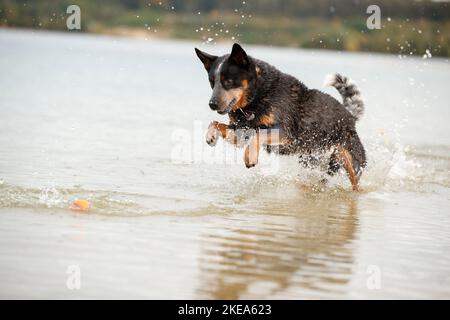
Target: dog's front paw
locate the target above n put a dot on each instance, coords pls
(212, 135)
(250, 157)
(250, 165)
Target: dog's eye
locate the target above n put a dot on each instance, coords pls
(228, 82)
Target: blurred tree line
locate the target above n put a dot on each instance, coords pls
(408, 26)
(327, 9)
(412, 9)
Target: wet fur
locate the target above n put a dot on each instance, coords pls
(312, 121)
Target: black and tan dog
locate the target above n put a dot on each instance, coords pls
(297, 120)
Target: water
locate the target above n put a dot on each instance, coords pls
(104, 119)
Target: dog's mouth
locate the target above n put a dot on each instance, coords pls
(229, 107)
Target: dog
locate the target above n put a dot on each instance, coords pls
(284, 114)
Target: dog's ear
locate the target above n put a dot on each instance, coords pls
(206, 58)
(239, 56)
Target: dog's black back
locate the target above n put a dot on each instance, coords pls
(311, 120)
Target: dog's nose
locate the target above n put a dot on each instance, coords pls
(213, 105)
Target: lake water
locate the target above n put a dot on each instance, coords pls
(121, 122)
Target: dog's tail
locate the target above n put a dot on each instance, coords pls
(352, 98)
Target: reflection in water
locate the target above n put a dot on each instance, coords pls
(266, 255)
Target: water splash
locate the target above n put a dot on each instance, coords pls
(391, 168)
(105, 202)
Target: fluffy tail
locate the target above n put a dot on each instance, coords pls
(352, 99)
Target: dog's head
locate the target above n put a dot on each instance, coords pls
(232, 78)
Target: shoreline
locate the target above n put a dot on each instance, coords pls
(142, 35)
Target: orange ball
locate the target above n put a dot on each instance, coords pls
(80, 205)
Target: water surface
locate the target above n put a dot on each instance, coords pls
(104, 119)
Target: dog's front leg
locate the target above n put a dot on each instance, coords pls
(272, 137)
(251, 153)
(216, 129)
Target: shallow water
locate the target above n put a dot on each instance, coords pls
(121, 123)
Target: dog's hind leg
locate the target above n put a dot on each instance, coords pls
(353, 158)
(333, 165)
(347, 162)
